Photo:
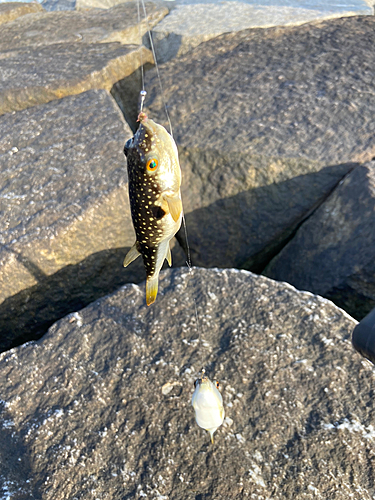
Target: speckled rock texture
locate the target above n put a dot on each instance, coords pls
(285, 92)
(65, 211)
(64, 198)
(119, 24)
(10, 11)
(50, 55)
(333, 252)
(286, 105)
(100, 407)
(64, 69)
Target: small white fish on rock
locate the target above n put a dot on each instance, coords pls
(155, 199)
(208, 405)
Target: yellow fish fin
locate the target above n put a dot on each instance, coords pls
(175, 206)
(169, 256)
(151, 289)
(212, 436)
(131, 255)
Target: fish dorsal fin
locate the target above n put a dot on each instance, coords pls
(175, 206)
(169, 256)
(131, 255)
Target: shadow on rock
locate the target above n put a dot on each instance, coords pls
(332, 254)
(352, 299)
(28, 314)
(247, 230)
(16, 477)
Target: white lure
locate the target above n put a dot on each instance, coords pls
(208, 405)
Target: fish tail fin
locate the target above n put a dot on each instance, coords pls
(131, 255)
(151, 289)
(212, 436)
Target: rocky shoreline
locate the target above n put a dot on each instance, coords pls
(276, 139)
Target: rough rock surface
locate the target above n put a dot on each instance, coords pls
(100, 407)
(64, 211)
(63, 69)
(333, 252)
(119, 24)
(196, 21)
(12, 10)
(287, 100)
(286, 92)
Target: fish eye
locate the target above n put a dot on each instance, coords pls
(217, 384)
(152, 165)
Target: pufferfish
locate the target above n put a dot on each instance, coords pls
(208, 405)
(155, 199)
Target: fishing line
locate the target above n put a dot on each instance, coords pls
(142, 97)
(188, 263)
(157, 67)
(140, 42)
(143, 93)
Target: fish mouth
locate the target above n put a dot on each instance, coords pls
(201, 381)
(142, 117)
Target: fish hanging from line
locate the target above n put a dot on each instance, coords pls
(155, 199)
(208, 405)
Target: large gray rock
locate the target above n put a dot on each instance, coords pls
(195, 21)
(64, 211)
(12, 10)
(100, 407)
(64, 69)
(282, 109)
(333, 252)
(120, 24)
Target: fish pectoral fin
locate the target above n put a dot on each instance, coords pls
(151, 289)
(175, 206)
(169, 256)
(131, 255)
